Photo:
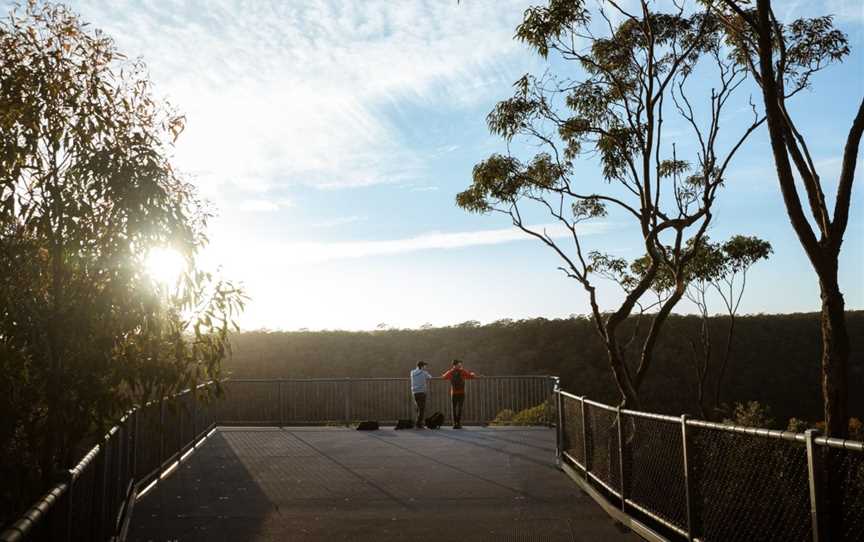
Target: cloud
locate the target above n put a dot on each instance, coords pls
(339, 221)
(284, 93)
(263, 205)
(315, 252)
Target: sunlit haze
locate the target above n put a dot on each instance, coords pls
(165, 265)
(332, 137)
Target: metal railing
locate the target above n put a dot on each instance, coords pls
(674, 478)
(93, 500)
(345, 400)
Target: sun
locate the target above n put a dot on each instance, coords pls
(164, 265)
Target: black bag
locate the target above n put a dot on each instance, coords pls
(367, 426)
(435, 420)
(404, 424)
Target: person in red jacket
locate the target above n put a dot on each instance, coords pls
(457, 376)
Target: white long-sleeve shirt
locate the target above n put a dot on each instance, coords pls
(418, 380)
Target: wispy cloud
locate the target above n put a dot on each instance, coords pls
(314, 252)
(279, 93)
(338, 221)
(263, 205)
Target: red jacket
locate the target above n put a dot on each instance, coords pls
(460, 390)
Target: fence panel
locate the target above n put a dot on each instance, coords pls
(572, 433)
(602, 421)
(654, 466)
(848, 467)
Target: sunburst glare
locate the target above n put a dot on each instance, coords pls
(164, 265)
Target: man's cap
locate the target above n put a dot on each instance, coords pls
(421, 363)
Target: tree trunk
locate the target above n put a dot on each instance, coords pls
(835, 357)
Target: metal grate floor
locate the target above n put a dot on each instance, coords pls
(311, 484)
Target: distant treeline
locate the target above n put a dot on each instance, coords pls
(775, 358)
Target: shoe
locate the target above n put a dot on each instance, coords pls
(421, 426)
(457, 426)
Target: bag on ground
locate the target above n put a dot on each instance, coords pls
(367, 426)
(435, 420)
(404, 424)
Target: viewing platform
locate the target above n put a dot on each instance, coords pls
(331, 483)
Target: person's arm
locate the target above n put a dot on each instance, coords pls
(468, 374)
(428, 376)
(447, 375)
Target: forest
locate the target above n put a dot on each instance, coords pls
(774, 358)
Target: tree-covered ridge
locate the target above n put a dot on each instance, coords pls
(771, 361)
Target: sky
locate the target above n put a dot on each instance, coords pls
(333, 136)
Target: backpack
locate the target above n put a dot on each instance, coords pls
(404, 424)
(457, 380)
(435, 420)
(367, 426)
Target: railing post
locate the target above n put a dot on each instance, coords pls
(347, 401)
(281, 395)
(694, 516)
(63, 530)
(585, 433)
(98, 503)
(161, 436)
(621, 470)
(135, 442)
(194, 416)
(559, 426)
(816, 472)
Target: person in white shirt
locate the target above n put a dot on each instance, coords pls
(419, 379)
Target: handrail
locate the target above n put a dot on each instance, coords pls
(114, 464)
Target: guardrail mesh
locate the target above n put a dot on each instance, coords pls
(572, 440)
(711, 482)
(654, 467)
(603, 445)
(760, 482)
(850, 466)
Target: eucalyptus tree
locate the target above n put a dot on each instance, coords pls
(783, 58)
(719, 268)
(86, 190)
(625, 74)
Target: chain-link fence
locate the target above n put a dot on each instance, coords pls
(675, 478)
(90, 502)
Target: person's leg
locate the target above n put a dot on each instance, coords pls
(420, 401)
(458, 402)
(453, 412)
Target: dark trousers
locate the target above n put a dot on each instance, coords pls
(458, 402)
(420, 403)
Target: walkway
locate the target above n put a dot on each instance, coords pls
(323, 484)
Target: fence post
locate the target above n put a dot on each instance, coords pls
(161, 436)
(347, 401)
(816, 472)
(194, 416)
(559, 426)
(585, 433)
(100, 465)
(281, 394)
(135, 443)
(65, 515)
(694, 516)
(624, 492)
